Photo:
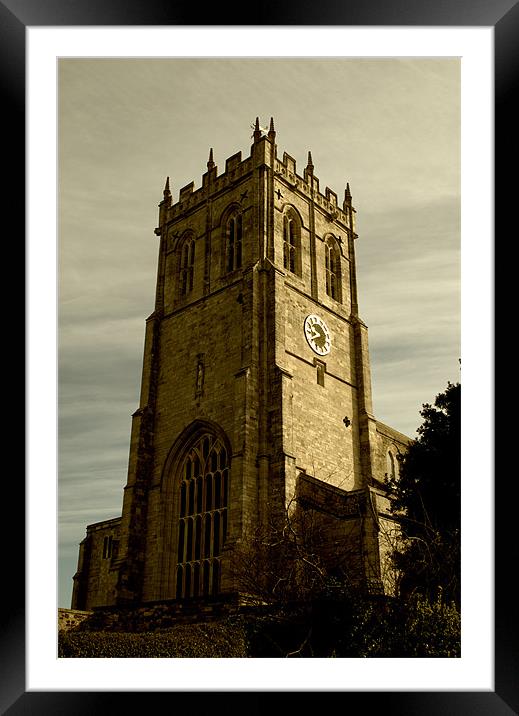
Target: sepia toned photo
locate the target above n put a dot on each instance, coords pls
(242, 471)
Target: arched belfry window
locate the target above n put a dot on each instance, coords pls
(203, 498)
(233, 241)
(291, 243)
(187, 265)
(332, 257)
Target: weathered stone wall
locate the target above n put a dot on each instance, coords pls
(96, 578)
(314, 431)
(357, 532)
(69, 619)
(388, 441)
(155, 615)
(322, 444)
(345, 530)
(217, 329)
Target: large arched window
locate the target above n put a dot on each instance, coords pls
(204, 489)
(187, 266)
(332, 256)
(233, 242)
(291, 243)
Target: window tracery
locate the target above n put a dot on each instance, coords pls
(204, 488)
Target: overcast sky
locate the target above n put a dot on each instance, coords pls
(391, 128)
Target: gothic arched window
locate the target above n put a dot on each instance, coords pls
(332, 257)
(233, 242)
(291, 243)
(391, 466)
(204, 489)
(187, 266)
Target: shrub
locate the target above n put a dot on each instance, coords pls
(181, 641)
(340, 625)
(396, 628)
(356, 626)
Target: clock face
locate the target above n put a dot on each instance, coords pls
(317, 335)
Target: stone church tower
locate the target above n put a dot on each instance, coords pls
(255, 390)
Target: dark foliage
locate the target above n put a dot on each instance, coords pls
(427, 495)
(338, 625)
(204, 640)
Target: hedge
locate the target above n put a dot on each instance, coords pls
(183, 640)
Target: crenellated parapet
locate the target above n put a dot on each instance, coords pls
(308, 185)
(238, 170)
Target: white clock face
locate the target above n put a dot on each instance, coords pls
(317, 335)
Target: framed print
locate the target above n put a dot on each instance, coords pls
(33, 678)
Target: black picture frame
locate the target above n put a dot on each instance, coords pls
(503, 16)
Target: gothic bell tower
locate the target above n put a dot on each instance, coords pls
(255, 385)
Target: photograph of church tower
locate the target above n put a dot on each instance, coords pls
(256, 390)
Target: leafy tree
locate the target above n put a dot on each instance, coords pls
(427, 497)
